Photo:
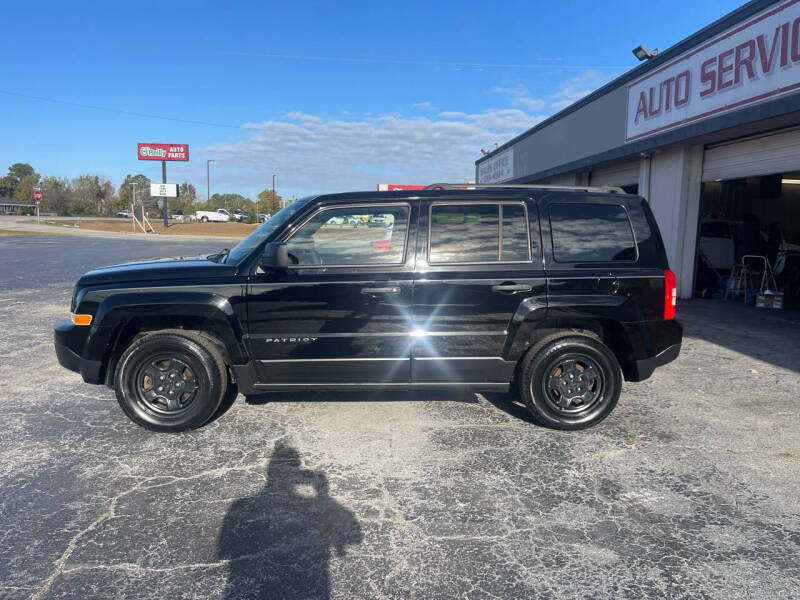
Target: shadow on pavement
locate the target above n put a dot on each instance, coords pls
(510, 404)
(279, 540)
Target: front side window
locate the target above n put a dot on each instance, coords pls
(584, 232)
(372, 235)
(478, 233)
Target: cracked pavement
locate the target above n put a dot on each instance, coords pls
(688, 490)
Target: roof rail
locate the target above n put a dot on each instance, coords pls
(528, 186)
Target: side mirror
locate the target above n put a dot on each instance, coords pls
(275, 257)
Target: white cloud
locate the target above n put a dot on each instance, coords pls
(520, 97)
(311, 154)
(575, 88)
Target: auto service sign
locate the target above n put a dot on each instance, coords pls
(750, 62)
(162, 152)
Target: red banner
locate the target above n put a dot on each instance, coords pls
(162, 151)
(393, 187)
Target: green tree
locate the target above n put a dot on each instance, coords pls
(7, 186)
(125, 192)
(266, 204)
(19, 173)
(231, 201)
(24, 191)
(56, 195)
(87, 195)
(184, 203)
(20, 170)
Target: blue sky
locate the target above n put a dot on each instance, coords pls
(328, 96)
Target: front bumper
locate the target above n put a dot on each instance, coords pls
(69, 343)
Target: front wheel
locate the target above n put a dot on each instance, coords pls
(571, 382)
(170, 381)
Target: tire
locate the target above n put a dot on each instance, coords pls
(556, 388)
(204, 219)
(193, 365)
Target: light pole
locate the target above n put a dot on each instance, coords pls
(208, 179)
(133, 207)
(273, 192)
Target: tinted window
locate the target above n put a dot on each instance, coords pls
(463, 234)
(471, 233)
(591, 233)
(351, 236)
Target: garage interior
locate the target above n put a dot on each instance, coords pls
(753, 216)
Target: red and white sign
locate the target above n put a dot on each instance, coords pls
(162, 151)
(394, 187)
(750, 62)
(37, 195)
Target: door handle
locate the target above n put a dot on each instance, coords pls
(511, 288)
(380, 290)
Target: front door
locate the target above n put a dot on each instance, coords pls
(479, 268)
(341, 313)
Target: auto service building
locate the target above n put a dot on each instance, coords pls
(708, 131)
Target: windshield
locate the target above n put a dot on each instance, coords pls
(247, 245)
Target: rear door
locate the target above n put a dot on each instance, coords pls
(479, 265)
(341, 313)
(595, 268)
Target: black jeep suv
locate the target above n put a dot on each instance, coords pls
(558, 291)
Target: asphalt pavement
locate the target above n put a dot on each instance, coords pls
(688, 490)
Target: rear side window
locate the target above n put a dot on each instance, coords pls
(478, 233)
(585, 232)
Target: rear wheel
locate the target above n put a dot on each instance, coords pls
(570, 382)
(204, 219)
(170, 381)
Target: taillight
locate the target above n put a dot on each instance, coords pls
(670, 295)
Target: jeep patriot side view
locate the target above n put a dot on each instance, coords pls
(559, 292)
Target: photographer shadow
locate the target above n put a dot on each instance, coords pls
(279, 541)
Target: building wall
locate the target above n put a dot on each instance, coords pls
(591, 129)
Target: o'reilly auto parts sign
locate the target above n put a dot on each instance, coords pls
(752, 61)
(498, 168)
(162, 152)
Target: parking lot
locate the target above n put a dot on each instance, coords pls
(689, 489)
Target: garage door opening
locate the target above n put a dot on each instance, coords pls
(750, 216)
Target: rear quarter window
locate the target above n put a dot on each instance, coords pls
(584, 232)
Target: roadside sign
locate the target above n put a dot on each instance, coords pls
(164, 190)
(37, 195)
(392, 187)
(162, 152)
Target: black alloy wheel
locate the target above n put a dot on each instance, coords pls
(166, 384)
(171, 380)
(570, 381)
(574, 383)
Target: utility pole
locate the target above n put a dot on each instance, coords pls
(208, 179)
(273, 192)
(164, 180)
